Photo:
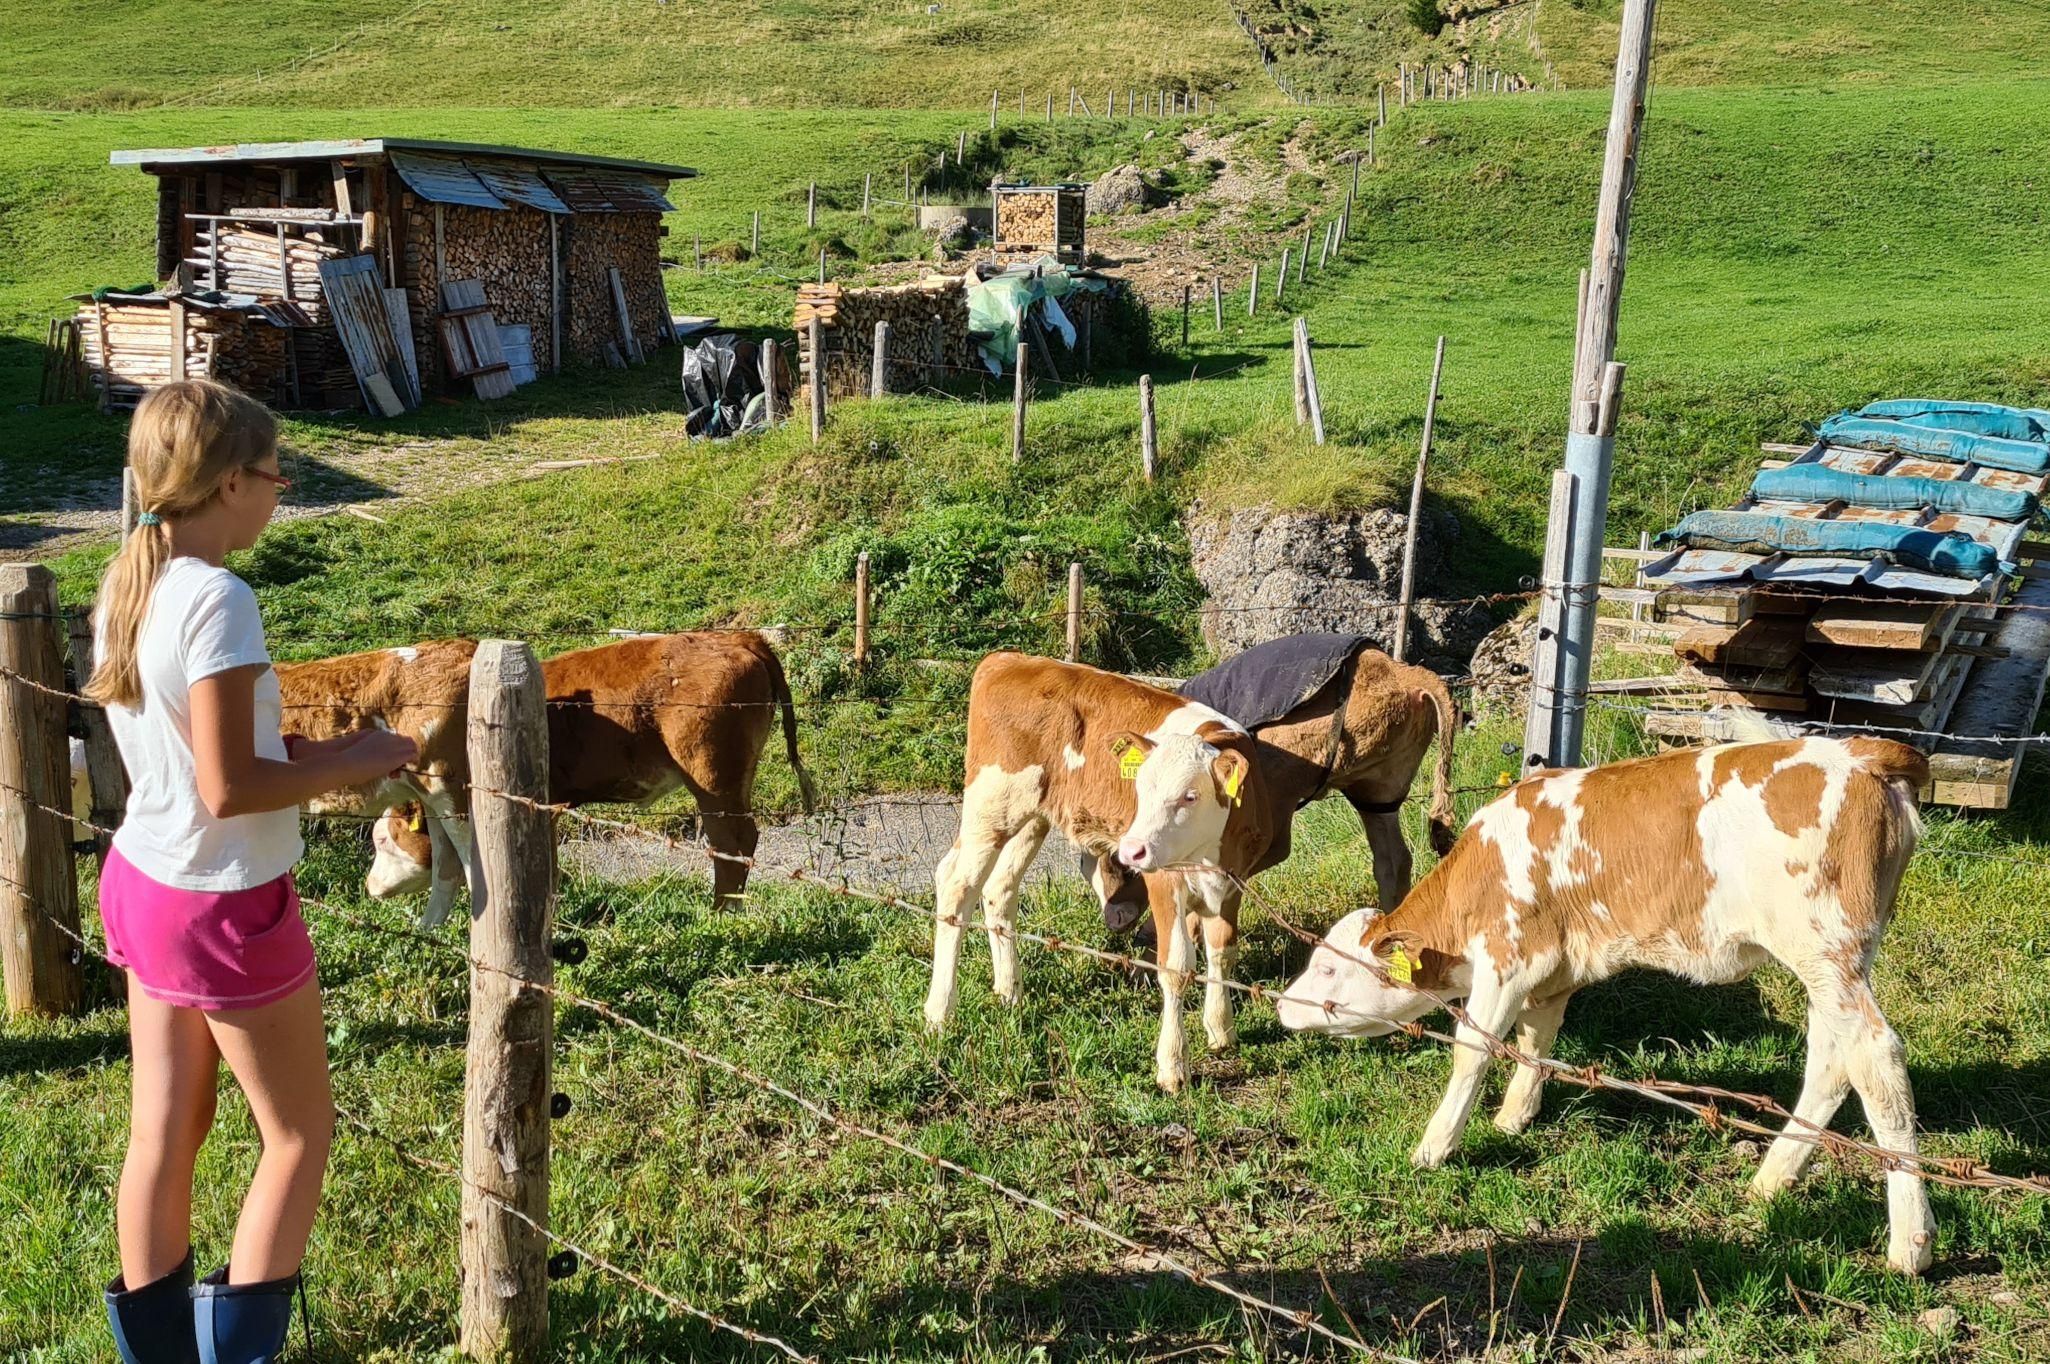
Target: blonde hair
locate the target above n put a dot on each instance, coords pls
(186, 437)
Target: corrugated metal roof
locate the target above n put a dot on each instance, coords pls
(594, 189)
(515, 183)
(444, 180)
(378, 146)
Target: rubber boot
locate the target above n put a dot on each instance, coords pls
(241, 1323)
(153, 1324)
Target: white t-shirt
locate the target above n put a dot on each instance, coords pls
(201, 620)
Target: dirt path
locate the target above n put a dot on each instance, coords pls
(885, 843)
(368, 482)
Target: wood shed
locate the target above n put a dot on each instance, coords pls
(449, 264)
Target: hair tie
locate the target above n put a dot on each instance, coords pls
(149, 519)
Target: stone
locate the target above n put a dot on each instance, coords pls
(1500, 671)
(1121, 189)
(1941, 1322)
(1270, 573)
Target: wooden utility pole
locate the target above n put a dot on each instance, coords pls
(1416, 511)
(1590, 441)
(771, 371)
(512, 1015)
(878, 377)
(39, 954)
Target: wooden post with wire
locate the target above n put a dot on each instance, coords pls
(811, 205)
(1074, 613)
(512, 1021)
(1301, 385)
(38, 877)
(754, 245)
(772, 370)
(1018, 406)
(1311, 395)
(105, 776)
(1149, 436)
(1217, 299)
(878, 375)
(861, 609)
(129, 509)
(1416, 511)
(816, 334)
(1253, 290)
(1185, 317)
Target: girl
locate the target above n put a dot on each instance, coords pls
(197, 896)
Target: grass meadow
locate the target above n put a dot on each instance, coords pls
(1794, 251)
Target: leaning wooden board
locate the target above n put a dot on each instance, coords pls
(354, 294)
(470, 337)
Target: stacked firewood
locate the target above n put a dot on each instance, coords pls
(1028, 220)
(928, 333)
(252, 260)
(129, 348)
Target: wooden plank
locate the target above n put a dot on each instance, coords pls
(1761, 642)
(1940, 693)
(1999, 704)
(400, 316)
(1702, 608)
(1893, 677)
(1884, 624)
(1785, 680)
(352, 287)
(629, 346)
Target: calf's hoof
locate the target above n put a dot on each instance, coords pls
(1172, 1077)
(1769, 1182)
(1009, 994)
(1221, 1039)
(1429, 1155)
(937, 1012)
(1910, 1253)
(1513, 1124)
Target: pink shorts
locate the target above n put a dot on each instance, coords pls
(205, 949)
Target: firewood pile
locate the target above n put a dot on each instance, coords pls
(1041, 218)
(130, 347)
(928, 333)
(598, 242)
(249, 258)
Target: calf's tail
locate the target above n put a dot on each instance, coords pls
(781, 687)
(1443, 820)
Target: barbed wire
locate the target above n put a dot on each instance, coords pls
(591, 1257)
(1300, 1318)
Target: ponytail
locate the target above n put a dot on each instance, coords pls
(186, 437)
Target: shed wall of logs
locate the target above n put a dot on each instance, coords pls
(928, 334)
(598, 241)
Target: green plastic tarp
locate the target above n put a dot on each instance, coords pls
(997, 307)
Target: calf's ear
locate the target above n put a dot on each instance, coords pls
(1407, 961)
(1130, 750)
(1229, 769)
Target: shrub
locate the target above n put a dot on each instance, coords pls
(1426, 17)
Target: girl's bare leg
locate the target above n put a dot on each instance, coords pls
(175, 1068)
(278, 1054)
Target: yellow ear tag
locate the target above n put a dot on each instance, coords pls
(416, 823)
(1232, 784)
(1130, 761)
(1401, 969)
(1502, 779)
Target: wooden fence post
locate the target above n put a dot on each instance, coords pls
(38, 877)
(1381, 101)
(1018, 407)
(771, 372)
(129, 511)
(1302, 383)
(1149, 437)
(754, 245)
(1281, 280)
(1185, 317)
(1253, 291)
(1217, 299)
(878, 378)
(106, 777)
(815, 333)
(1310, 391)
(1074, 613)
(512, 1022)
(1416, 511)
(861, 609)
(811, 205)
(993, 109)
(822, 265)
(1302, 260)
(867, 184)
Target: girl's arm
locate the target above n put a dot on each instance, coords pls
(234, 781)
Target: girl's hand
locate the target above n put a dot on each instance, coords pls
(379, 753)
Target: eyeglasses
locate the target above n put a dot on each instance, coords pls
(269, 477)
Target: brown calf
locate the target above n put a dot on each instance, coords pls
(1705, 863)
(628, 722)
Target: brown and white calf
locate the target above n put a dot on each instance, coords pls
(1368, 753)
(1117, 766)
(1705, 863)
(628, 722)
